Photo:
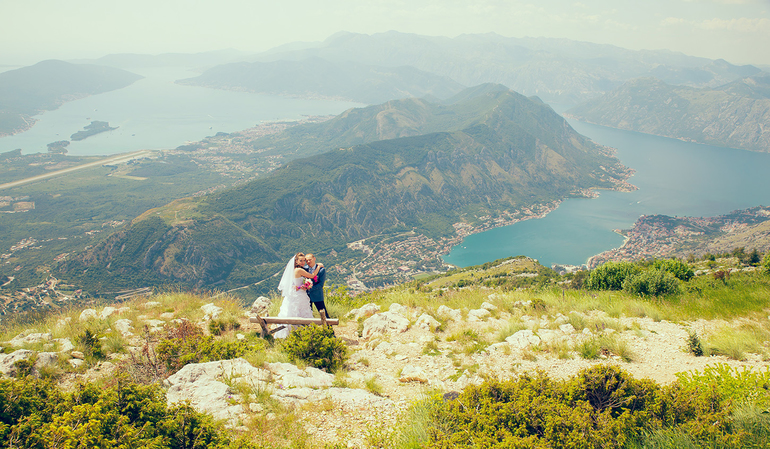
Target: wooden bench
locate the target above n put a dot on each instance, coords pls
(264, 321)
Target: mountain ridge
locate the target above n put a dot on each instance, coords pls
(518, 154)
(735, 115)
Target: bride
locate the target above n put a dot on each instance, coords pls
(296, 303)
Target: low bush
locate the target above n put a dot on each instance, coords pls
(676, 267)
(122, 414)
(601, 407)
(652, 282)
(316, 346)
(185, 343)
(611, 275)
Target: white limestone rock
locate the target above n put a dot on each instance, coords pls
(397, 308)
(65, 345)
(24, 339)
(568, 329)
(487, 306)
(155, 325)
(46, 359)
(549, 335)
(452, 314)
(427, 322)
(476, 315)
(385, 323)
(261, 306)
(203, 384)
(88, 314)
(523, 339)
(76, 363)
(212, 312)
(150, 305)
(290, 376)
(7, 360)
(106, 312)
(365, 311)
(124, 327)
(412, 373)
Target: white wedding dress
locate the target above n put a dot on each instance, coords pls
(296, 304)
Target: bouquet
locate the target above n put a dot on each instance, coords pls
(306, 285)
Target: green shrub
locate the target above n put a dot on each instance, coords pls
(693, 344)
(91, 346)
(679, 269)
(740, 385)
(122, 414)
(317, 346)
(185, 343)
(652, 283)
(610, 275)
(601, 407)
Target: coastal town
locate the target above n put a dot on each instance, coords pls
(661, 236)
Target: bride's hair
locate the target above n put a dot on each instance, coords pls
(296, 259)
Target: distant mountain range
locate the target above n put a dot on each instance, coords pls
(557, 70)
(736, 114)
(318, 78)
(496, 150)
(45, 86)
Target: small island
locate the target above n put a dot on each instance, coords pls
(94, 128)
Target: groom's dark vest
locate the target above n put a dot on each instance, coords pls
(316, 292)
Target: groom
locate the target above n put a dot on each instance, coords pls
(316, 292)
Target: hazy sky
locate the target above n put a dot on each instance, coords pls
(32, 30)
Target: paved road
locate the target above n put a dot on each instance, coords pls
(117, 159)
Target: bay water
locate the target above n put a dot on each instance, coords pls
(154, 113)
(674, 178)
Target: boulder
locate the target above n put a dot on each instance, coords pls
(365, 311)
(413, 374)
(203, 384)
(289, 376)
(212, 312)
(7, 360)
(567, 329)
(548, 335)
(76, 363)
(261, 306)
(385, 323)
(124, 327)
(523, 339)
(46, 359)
(427, 322)
(88, 314)
(155, 325)
(29, 339)
(107, 311)
(452, 314)
(65, 345)
(487, 306)
(150, 305)
(476, 315)
(397, 308)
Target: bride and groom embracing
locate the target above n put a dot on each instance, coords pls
(302, 283)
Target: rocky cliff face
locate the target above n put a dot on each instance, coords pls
(735, 115)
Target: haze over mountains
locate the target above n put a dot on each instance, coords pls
(45, 86)
(556, 70)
